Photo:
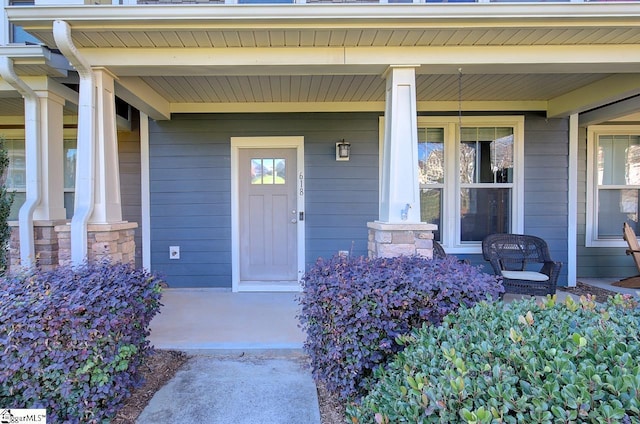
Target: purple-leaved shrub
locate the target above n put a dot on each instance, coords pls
(72, 340)
(353, 308)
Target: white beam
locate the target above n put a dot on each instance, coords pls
(138, 94)
(444, 106)
(599, 93)
(611, 112)
(42, 83)
(499, 59)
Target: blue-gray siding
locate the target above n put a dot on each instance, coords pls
(191, 200)
(130, 187)
(191, 181)
(546, 155)
(601, 262)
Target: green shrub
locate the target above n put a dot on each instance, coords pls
(73, 340)
(6, 200)
(353, 308)
(515, 363)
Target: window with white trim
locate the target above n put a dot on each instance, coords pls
(613, 183)
(16, 174)
(471, 179)
(16, 179)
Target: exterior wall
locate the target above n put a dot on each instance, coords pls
(191, 179)
(190, 187)
(130, 188)
(596, 262)
(546, 153)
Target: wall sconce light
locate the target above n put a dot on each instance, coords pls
(343, 149)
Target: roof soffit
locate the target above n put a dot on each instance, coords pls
(346, 25)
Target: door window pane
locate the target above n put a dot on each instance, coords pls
(268, 171)
(484, 211)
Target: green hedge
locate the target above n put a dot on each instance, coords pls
(515, 363)
(73, 340)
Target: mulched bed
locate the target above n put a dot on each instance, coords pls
(583, 289)
(159, 368)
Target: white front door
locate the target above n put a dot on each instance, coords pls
(269, 214)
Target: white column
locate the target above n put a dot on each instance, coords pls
(107, 207)
(400, 197)
(145, 190)
(572, 201)
(51, 206)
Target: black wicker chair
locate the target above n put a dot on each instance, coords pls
(523, 262)
(438, 251)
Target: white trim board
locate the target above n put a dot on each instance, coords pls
(238, 143)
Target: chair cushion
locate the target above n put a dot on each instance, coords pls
(525, 275)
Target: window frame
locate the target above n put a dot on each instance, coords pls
(594, 132)
(450, 223)
(69, 134)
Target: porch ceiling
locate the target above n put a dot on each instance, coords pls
(559, 57)
(362, 88)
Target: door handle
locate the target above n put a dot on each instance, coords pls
(293, 221)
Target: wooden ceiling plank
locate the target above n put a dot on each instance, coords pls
(172, 39)
(217, 39)
(382, 37)
(321, 38)
(232, 39)
(265, 85)
(294, 88)
(202, 39)
(127, 39)
(314, 88)
(157, 39)
(337, 38)
(187, 38)
(292, 38)
(256, 90)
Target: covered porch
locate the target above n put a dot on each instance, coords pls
(201, 319)
(571, 64)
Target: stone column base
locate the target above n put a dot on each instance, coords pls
(45, 245)
(388, 240)
(105, 241)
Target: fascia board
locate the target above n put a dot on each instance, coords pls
(330, 16)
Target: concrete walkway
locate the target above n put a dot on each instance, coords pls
(239, 388)
(247, 364)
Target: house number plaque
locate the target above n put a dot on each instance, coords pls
(301, 186)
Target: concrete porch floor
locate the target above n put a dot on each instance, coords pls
(206, 319)
(203, 319)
